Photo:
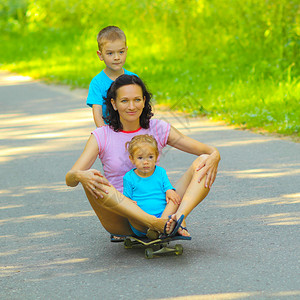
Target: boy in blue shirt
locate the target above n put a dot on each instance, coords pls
(147, 184)
(113, 51)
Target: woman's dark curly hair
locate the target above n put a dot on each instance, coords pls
(112, 116)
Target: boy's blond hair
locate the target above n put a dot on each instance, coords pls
(137, 141)
(110, 33)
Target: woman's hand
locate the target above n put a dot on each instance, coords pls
(171, 195)
(93, 181)
(209, 163)
(209, 167)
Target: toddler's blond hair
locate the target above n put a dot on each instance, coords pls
(138, 141)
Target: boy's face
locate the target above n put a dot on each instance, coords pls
(113, 54)
(144, 158)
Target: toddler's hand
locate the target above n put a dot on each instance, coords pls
(171, 195)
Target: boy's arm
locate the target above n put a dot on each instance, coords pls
(97, 114)
(171, 194)
(95, 100)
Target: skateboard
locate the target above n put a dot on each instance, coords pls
(156, 247)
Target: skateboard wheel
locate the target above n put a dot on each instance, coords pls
(149, 253)
(128, 243)
(178, 249)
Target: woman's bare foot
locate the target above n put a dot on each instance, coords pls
(170, 224)
(183, 231)
(158, 224)
(116, 239)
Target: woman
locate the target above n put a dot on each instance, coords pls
(129, 114)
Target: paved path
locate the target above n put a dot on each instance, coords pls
(245, 234)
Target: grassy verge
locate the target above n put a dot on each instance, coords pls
(231, 62)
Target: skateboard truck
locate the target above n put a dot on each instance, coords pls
(155, 247)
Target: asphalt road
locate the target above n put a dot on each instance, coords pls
(245, 235)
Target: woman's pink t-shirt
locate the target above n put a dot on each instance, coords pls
(114, 156)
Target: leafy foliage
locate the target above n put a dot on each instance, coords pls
(233, 60)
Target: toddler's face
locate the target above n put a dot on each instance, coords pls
(113, 54)
(144, 158)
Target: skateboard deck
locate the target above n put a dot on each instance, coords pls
(156, 247)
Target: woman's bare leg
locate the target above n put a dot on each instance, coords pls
(111, 221)
(115, 211)
(191, 191)
(170, 209)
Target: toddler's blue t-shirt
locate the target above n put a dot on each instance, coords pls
(98, 89)
(148, 192)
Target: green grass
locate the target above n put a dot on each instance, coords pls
(235, 61)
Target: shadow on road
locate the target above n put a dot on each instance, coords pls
(245, 234)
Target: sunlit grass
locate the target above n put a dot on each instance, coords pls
(231, 62)
(268, 104)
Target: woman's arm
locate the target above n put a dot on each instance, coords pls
(184, 143)
(89, 178)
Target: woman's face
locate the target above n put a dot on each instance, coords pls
(129, 103)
